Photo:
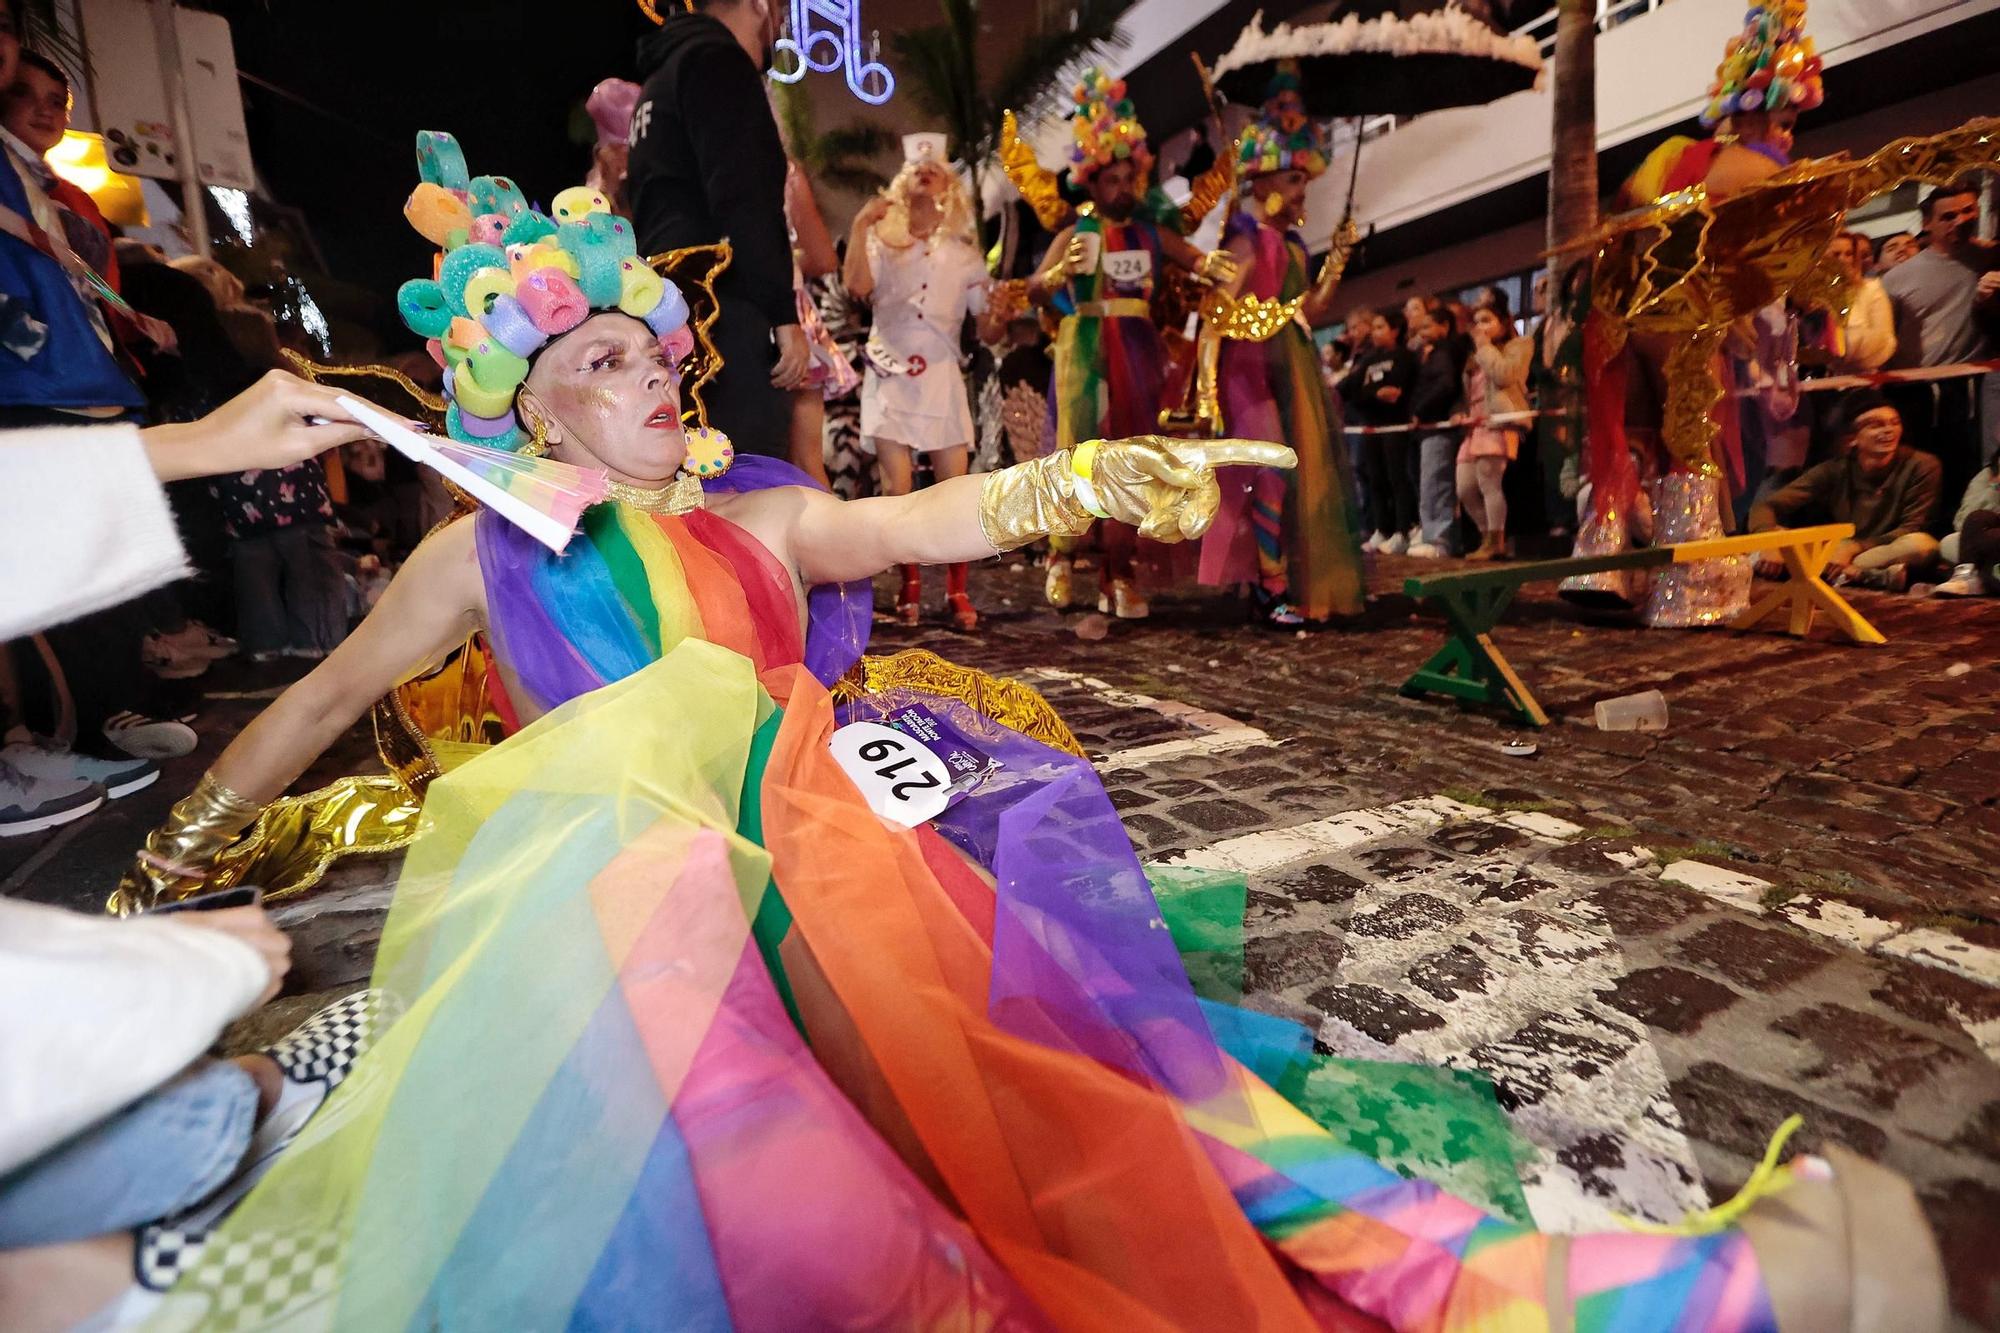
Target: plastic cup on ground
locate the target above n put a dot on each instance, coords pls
(1633, 712)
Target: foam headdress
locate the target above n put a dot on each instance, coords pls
(511, 279)
(1105, 129)
(1283, 137)
(1771, 65)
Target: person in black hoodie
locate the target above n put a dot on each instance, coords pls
(1377, 390)
(1437, 395)
(707, 164)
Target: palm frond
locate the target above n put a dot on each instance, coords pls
(1044, 59)
(795, 120)
(855, 177)
(853, 141)
(940, 72)
(45, 29)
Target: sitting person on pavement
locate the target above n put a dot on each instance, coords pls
(1886, 491)
(1973, 548)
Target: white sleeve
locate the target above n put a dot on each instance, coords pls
(84, 524)
(1871, 328)
(977, 283)
(95, 1012)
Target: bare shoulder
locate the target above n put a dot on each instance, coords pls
(771, 514)
(446, 565)
(1737, 168)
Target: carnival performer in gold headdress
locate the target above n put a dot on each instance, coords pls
(1102, 274)
(1770, 72)
(1295, 542)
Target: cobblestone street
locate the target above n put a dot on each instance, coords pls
(1657, 945)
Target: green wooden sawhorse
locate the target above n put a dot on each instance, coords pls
(1471, 668)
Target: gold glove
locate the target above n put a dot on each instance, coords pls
(1344, 240)
(178, 854)
(1164, 487)
(1218, 267)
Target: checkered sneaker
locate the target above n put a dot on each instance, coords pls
(165, 1251)
(246, 1282)
(326, 1045)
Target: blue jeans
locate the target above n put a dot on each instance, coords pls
(1437, 488)
(167, 1151)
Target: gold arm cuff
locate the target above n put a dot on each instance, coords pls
(1030, 500)
(178, 854)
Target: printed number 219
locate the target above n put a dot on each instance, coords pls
(880, 752)
(901, 779)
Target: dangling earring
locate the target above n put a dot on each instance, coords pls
(538, 438)
(709, 452)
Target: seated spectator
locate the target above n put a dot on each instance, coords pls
(1973, 548)
(137, 1141)
(1887, 491)
(60, 365)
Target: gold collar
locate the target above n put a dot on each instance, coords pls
(679, 496)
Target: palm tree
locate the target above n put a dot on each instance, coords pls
(46, 27)
(941, 69)
(1573, 155)
(842, 157)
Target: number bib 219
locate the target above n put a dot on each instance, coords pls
(902, 780)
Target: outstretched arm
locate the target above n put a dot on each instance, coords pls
(1164, 487)
(1219, 268)
(430, 608)
(427, 610)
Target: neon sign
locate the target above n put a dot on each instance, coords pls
(836, 45)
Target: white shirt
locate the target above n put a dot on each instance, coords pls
(96, 1012)
(84, 525)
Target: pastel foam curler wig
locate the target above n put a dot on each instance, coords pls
(640, 290)
(458, 268)
(553, 301)
(436, 213)
(578, 202)
(508, 321)
(421, 304)
(440, 161)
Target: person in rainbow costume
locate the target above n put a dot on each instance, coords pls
(1293, 538)
(1101, 272)
(1770, 73)
(690, 1036)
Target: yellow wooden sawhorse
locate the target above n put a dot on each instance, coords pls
(1471, 668)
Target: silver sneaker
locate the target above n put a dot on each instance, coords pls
(1964, 582)
(30, 804)
(118, 777)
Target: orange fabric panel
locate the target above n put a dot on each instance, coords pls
(1089, 1187)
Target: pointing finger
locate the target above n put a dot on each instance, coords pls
(1223, 453)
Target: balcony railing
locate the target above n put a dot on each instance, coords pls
(1610, 13)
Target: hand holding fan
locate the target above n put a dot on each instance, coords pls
(541, 496)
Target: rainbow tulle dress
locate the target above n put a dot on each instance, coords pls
(690, 1039)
